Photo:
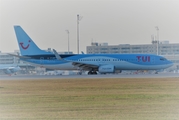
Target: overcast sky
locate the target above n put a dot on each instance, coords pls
(112, 21)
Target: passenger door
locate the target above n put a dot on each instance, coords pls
(152, 60)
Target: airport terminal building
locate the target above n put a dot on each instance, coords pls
(163, 48)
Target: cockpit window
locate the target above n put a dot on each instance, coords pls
(163, 59)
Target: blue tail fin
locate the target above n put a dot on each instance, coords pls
(26, 44)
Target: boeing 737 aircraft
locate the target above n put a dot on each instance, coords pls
(9, 69)
(93, 63)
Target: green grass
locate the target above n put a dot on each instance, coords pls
(86, 99)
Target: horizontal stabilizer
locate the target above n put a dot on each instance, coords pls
(23, 57)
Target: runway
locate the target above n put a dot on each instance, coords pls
(44, 77)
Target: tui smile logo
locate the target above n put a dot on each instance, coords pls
(24, 47)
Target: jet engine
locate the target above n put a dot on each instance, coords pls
(106, 69)
(7, 71)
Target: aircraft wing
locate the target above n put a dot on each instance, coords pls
(82, 65)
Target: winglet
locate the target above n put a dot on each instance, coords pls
(82, 52)
(57, 55)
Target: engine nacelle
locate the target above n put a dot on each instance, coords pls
(106, 69)
(7, 71)
(15, 69)
(11, 70)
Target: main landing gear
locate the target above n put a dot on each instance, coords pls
(92, 73)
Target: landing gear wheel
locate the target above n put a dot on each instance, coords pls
(95, 73)
(92, 73)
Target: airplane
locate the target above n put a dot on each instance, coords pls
(9, 69)
(93, 63)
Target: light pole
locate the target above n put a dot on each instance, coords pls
(68, 40)
(78, 19)
(157, 39)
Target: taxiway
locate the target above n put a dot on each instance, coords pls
(44, 77)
